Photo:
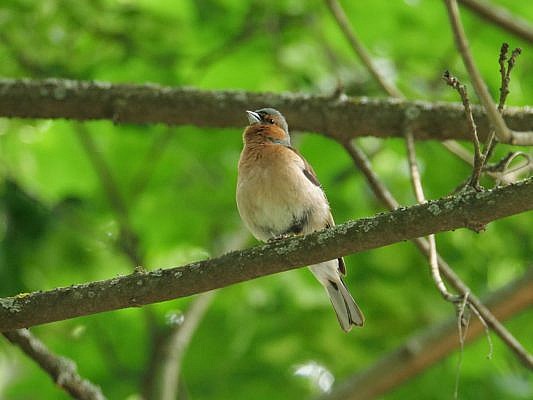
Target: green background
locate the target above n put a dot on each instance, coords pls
(57, 226)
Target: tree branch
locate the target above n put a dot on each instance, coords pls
(428, 247)
(61, 369)
(359, 49)
(430, 345)
(423, 245)
(342, 119)
(140, 288)
(501, 17)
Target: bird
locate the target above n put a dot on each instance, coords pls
(278, 195)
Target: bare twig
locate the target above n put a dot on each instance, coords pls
(177, 344)
(485, 328)
(478, 157)
(413, 168)
(382, 193)
(421, 198)
(499, 171)
(342, 20)
(501, 17)
(505, 74)
(462, 322)
(502, 166)
(62, 370)
(503, 133)
(510, 65)
(504, 88)
(490, 143)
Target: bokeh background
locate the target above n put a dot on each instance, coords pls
(263, 339)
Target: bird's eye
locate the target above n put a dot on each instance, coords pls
(270, 121)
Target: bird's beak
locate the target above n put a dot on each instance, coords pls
(253, 117)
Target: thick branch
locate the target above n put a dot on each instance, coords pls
(62, 370)
(342, 119)
(428, 347)
(465, 210)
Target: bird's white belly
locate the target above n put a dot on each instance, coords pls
(270, 202)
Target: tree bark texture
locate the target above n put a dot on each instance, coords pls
(62, 370)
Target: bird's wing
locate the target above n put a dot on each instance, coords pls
(341, 265)
(311, 175)
(308, 170)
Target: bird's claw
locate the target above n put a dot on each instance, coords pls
(279, 237)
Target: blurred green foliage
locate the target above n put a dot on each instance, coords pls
(57, 226)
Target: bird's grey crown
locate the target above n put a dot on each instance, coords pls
(263, 112)
(268, 110)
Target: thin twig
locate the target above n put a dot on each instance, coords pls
(505, 74)
(413, 168)
(498, 171)
(503, 133)
(486, 329)
(478, 157)
(503, 165)
(342, 20)
(178, 342)
(421, 198)
(510, 65)
(490, 143)
(62, 370)
(381, 192)
(461, 322)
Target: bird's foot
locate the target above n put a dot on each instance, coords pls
(279, 237)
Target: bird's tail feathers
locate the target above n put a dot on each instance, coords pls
(347, 310)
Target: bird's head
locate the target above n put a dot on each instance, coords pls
(269, 124)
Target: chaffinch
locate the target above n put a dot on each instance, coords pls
(278, 194)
